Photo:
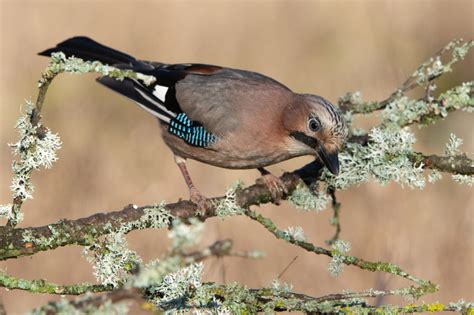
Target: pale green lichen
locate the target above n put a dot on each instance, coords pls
(388, 157)
(434, 67)
(403, 111)
(353, 167)
(228, 206)
(42, 241)
(279, 288)
(357, 104)
(6, 211)
(463, 179)
(175, 287)
(255, 254)
(340, 248)
(303, 198)
(27, 236)
(296, 233)
(112, 260)
(462, 305)
(36, 148)
(434, 176)
(185, 235)
(385, 158)
(459, 97)
(453, 144)
(354, 98)
(153, 272)
(156, 217)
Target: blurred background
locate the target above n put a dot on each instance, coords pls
(113, 155)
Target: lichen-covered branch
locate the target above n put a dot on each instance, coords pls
(217, 249)
(459, 164)
(423, 288)
(42, 286)
(19, 242)
(238, 299)
(425, 74)
(107, 303)
(37, 145)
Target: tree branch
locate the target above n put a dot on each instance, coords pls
(459, 164)
(19, 242)
(42, 286)
(217, 249)
(273, 300)
(426, 73)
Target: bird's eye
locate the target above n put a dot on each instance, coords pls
(313, 124)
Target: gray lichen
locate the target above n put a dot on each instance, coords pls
(295, 233)
(303, 198)
(35, 148)
(156, 217)
(112, 260)
(228, 205)
(385, 158)
(184, 235)
(336, 265)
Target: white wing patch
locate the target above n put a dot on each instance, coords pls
(160, 92)
(154, 102)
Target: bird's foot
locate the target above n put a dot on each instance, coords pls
(275, 185)
(197, 198)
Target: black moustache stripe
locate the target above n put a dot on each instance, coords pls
(309, 141)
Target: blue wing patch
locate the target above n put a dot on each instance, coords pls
(189, 131)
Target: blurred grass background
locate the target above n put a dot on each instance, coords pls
(113, 155)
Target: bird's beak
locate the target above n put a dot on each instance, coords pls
(331, 160)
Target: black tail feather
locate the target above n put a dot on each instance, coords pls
(90, 50)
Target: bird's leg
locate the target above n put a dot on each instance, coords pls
(274, 184)
(194, 194)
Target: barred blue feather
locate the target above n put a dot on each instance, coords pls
(186, 129)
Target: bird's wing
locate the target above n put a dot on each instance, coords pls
(160, 98)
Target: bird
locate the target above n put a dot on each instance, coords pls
(225, 117)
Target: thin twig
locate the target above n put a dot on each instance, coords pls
(336, 207)
(287, 267)
(409, 84)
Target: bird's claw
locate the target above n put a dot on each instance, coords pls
(275, 185)
(197, 198)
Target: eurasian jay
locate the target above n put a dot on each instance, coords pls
(225, 117)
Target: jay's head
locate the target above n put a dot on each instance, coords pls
(315, 126)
